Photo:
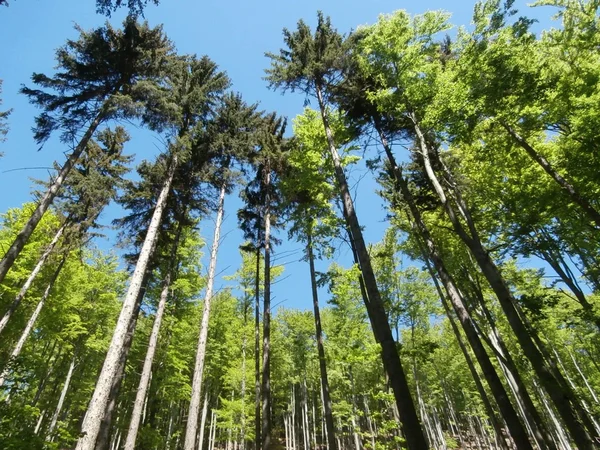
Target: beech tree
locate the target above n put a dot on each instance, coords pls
(309, 64)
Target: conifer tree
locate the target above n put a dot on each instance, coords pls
(3, 120)
(99, 79)
(230, 134)
(182, 114)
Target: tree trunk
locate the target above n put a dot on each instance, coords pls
(34, 273)
(31, 322)
(243, 387)
(147, 369)
(192, 422)
(257, 422)
(506, 362)
(496, 424)
(566, 404)
(319, 334)
(565, 185)
(379, 322)
(509, 414)
(21, 240)
(203, 422)
(91, 424)
(266, 366)
(102, 442)
(61, 400)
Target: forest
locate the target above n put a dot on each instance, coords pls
(472, 324)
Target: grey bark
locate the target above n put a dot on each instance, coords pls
(91, 424)
(32, 276)
(142, 391)
(31, 322)
(321, 350)
(194, 409)
(567, 405)
(266, 366)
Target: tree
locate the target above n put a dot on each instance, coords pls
(230, 135)
(100, 79)
(413, 105)
(136, 7)
(309, 64)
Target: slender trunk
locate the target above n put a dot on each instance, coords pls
(496, 424)
(243, 387)
(319, 334)
(147, 369)
(203, 422)
(91, 424)
(377, 315)
(257, 422)
(34, 273)
(564, 184)
(567, 405)
(509, 414)
(61, 400)
(21, 240)
(563, 440)
(192, 422)
(583, 377)
(530, 412)
(49, 370)
(266, 367)
(556, 261)
(31, 322)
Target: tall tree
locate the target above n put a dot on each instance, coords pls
(182, 119)
(92, 185)
(229, 135)
(99, 79)
(414, 106)
(309, 64)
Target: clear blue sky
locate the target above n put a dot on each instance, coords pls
(235, 34)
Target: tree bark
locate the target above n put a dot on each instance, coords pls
(34, 273)
(566, 404)
(147, 369)
(377, 315)
(103, 440)
(516, 429)
(257, 422)
(321, 350)
(61, 400)
(266, 366)
(203, 422)
(91, 424)
(21, 240)
(194, 409)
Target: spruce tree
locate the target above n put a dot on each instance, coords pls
(98, 80)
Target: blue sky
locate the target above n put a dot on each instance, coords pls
(235, 34)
